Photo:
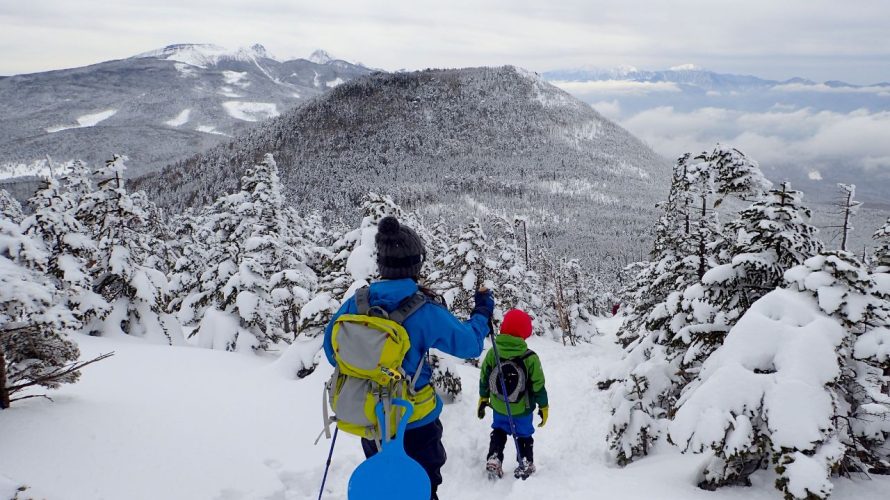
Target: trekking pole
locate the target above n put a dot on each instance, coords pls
(497, 357)
(327, 466)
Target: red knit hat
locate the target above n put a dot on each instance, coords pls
(517, 323)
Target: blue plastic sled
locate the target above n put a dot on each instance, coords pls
(390, 474)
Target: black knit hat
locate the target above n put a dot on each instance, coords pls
(400, 252)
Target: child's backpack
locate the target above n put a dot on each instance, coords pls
(515, 378)
(369, 348)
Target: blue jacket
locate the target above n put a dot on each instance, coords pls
(431, 326)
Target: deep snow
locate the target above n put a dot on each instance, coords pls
(158, 422)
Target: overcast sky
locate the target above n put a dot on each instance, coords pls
(819, 39)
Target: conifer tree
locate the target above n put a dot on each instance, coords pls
(511, 279)
(70, 250)
(689, 242)
(767, 239)
(34, 322)
(882, 253)
(235, 308)
(466, 268)
(135, 292)
(351, 263)
(10, 208)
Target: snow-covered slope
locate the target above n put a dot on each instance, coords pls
(464, 142)
(186, 423)
(154, 107)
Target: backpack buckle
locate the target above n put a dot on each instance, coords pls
(378, 312)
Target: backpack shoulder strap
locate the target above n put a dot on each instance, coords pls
(408, 307)
(529, 353)
(363, 300)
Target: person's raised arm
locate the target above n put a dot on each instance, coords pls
(463, 339)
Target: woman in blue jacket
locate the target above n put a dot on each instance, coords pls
(400, 257)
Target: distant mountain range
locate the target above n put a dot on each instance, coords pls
(689, 87)
(814, 134)
(155, 107)
(450, 143)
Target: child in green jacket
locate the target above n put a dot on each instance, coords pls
(524, 379)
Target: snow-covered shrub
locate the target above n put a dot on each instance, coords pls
(791, 388)
(765, 397)
(34, 319)
(445, 378)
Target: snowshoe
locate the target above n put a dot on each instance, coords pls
(494, 468)
(524, 470)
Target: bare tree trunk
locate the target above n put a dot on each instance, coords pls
(4, 392)
(846, 230)
(701, 239)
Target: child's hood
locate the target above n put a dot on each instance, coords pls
(510, 347)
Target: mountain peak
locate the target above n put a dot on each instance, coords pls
(205, 54)
(320, 57)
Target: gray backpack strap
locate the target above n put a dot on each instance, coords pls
(416, 376)
(363, 300)
(408, 307)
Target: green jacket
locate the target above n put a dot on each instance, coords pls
(510, 347)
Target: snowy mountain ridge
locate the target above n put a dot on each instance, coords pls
(154, 107)
(204, 55)
(457, 142)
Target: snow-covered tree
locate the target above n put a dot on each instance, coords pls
(882, 253)
(10, 208)
(689, 241)
(768, 238)
(70, 250)
(134, 291)
(794, 387)
(511, 279)
(293, 281)
(79, 181)
(465, 269)
(34, 322)
(235, 308)
(352, 263)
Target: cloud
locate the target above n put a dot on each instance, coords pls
(883, 91)
(619, 87)
(609, 109)
(818, 140)
(819, 39)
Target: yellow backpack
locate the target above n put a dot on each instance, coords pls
(369, 348)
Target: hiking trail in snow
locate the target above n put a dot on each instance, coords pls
(188, 423)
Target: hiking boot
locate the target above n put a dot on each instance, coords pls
(494, 468)
(524, 470)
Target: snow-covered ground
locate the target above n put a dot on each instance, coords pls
(89, 120)
(158, 422)
(250, 111)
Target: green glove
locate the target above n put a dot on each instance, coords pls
(480, 412)
(543, 413)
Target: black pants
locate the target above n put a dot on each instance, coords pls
(499, 441)
(423, 444)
